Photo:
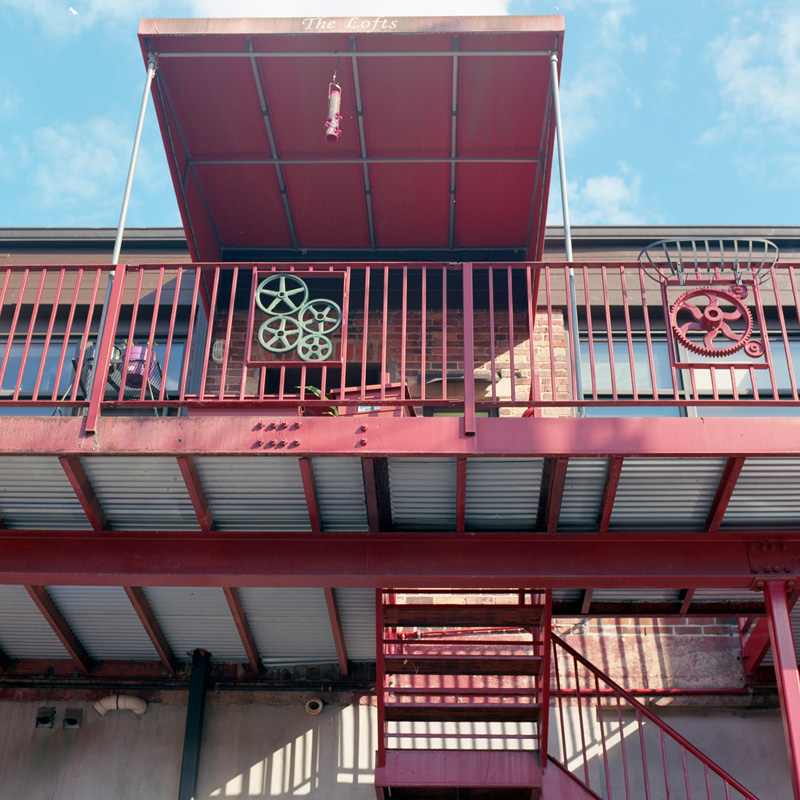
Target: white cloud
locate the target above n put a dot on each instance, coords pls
(599, 73)
(56, 19)
(79, 170)
(340, 8)
(604, 200)
(757, 66)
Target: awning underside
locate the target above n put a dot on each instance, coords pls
(446, 134)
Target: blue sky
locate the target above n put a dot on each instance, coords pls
(680, 112)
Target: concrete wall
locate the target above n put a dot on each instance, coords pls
(256, 750)
(253, 750)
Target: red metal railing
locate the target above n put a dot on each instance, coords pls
(470, 338)
(618, 748)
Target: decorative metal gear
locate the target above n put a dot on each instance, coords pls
(738, 290)
(320, 316)
(279, 334)
(314, 347)
(281, 295)
(754, 349)
(712, 321)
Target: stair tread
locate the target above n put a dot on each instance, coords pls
(463, 664)
(432, 712)
(422, 615)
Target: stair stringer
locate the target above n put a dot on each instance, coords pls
(558, 784)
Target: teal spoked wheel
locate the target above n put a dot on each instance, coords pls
(320, 317)
(314, 347)
(281, 295)
(279, 334)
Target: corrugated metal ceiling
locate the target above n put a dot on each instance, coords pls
(666, 493)
(503, 493)
(35, 493)
(254, 493)
(141, 493)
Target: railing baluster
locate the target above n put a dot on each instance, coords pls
(365, 334)
(62, 356)
(131, 335)
(511, 342)
(609, 333)
(424, 329)
(580, 720)
(600, 724)
(550, 344)
(29, 337)
(50, 324)
(708, 782)
(589, 333)
(190, 344)
(212, 310)
(12, 330)
(784, 333)
(628, 333)
(151, 339)
(531, 327)
(645, 772)
(561, 720)
(664, 762)
(404, 331)
(87, 330)
(171, 333)
(229, 327)
(492, 349)
(648, 337)
(686, 779)
(444, 332)
(384, 330)
(621, 729)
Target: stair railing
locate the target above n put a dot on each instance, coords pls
(618, 748)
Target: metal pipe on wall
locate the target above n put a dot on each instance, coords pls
(193, 734)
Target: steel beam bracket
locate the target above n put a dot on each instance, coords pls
(771, 559)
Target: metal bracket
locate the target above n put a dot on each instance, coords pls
(771, 560)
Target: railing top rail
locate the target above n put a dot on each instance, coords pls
(644, 711)
(333, 266)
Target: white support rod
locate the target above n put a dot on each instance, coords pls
(574, 337)
(562, 167)
(151, 71)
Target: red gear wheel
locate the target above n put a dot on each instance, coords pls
(712, 321)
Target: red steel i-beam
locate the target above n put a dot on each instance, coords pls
(243, 626)
(780, 634)
(50, 612)
(152, 628)
(336, 629)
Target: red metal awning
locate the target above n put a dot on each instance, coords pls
(446, 145)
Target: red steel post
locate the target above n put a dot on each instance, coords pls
(780, 634)
(103, 355)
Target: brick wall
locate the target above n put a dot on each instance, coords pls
(511, 376)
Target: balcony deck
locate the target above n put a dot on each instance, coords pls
(252, 474)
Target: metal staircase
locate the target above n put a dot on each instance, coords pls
(465, 679)
(461, 693)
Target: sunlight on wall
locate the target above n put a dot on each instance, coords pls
(313, 757)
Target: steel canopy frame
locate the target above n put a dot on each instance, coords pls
(435, 126)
